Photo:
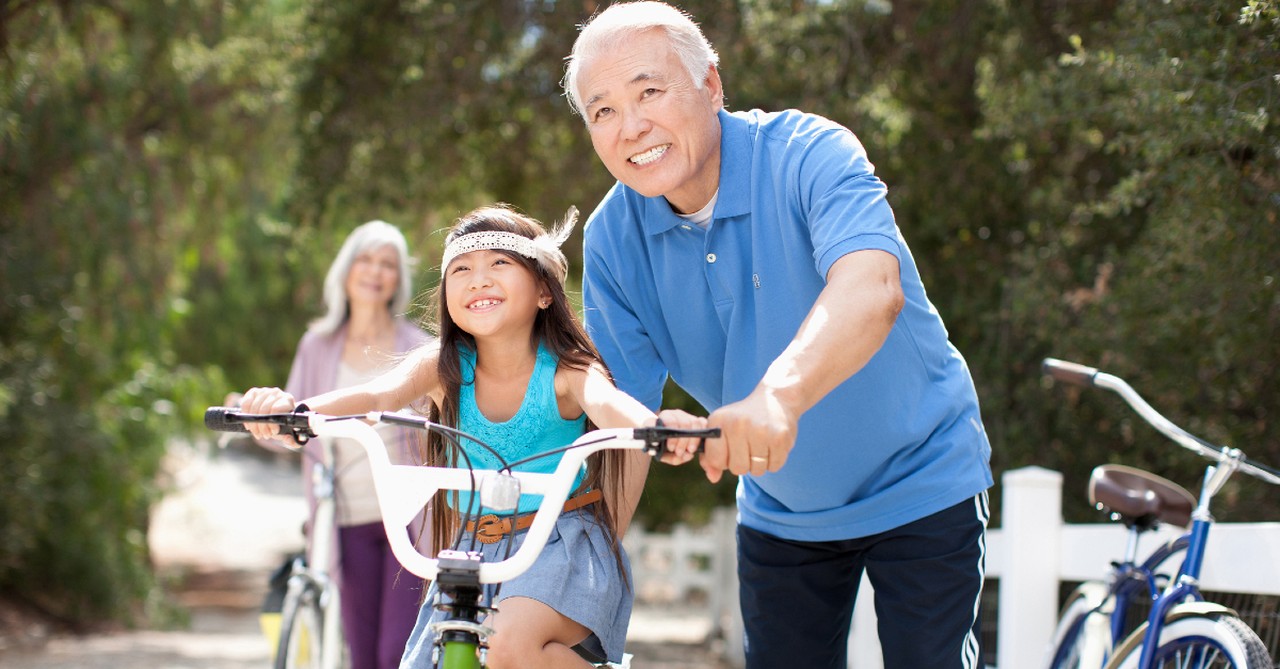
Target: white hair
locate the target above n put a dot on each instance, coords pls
(624, 20)
(371, 235)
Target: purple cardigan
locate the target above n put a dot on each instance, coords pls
(315, 371)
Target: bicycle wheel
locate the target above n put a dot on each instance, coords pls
(1082, 638)
(301, 631)
(1199, 641)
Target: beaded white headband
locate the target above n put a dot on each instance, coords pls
(545, 248)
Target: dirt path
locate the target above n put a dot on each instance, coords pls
(221, 638)
(234, 514)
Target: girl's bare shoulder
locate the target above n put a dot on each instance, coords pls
(420, 370)
(574, 377)
(569, 379)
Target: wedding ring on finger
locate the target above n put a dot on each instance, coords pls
(756, 458)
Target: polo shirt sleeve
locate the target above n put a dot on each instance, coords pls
(616, 330)
(846, 202)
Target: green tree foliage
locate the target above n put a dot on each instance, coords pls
(136, 143)
(433, 108)
(1146, 150)
(1092, 181)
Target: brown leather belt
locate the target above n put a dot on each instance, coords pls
(489, 528)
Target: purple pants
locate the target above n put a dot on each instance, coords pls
(379, 599)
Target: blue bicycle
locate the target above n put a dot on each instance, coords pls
(1182, 630)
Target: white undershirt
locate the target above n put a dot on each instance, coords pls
(357, 501)
(702, 216)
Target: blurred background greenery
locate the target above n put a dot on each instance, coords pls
(1095, 181)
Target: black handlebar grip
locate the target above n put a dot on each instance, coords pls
(223, 419)
(1069, 372)
(655, 436)
(709, 433)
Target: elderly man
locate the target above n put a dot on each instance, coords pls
(752, 257)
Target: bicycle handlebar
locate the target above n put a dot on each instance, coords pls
(1082, 375)
(1070, 372)
(404, 490)
(226, 419)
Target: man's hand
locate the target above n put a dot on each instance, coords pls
(757, 435)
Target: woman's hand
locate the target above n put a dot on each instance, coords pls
(267, 400)
(681, 450)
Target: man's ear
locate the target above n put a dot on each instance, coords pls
(714, 87)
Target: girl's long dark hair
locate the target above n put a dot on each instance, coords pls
(559, 329)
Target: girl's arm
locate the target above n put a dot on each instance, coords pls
(411, 379)
(603, 403)
(607, 407)
(414, 377)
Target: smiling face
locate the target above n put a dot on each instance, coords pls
(652, 127)
(374, 276)
(491, 293)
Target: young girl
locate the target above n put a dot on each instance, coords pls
(514, 367)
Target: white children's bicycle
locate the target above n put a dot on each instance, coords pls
(404, 490)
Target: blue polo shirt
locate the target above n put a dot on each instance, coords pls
(713, 307)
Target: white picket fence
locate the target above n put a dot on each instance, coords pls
(1031, 554)
(691, 571)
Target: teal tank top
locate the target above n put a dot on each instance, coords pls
(537, 427)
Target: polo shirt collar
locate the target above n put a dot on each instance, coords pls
(735, 185)
(735, 150)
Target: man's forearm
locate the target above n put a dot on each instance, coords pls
(847, 324)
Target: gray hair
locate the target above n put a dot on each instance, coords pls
(371, 235)
(621, 21)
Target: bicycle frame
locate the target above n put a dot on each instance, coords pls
(1131, 580)
(1186, 586)
(310, 573)
(323, 483)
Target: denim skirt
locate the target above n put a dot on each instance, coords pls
(576, 574)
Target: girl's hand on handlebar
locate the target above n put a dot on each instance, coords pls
(267, 400)
(680, 451)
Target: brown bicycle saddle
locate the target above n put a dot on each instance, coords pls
(1140, 498)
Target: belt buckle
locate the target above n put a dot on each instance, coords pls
(489, 529)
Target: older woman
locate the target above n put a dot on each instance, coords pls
(362, 333)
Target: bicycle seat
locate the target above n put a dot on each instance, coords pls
(1140, 499)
